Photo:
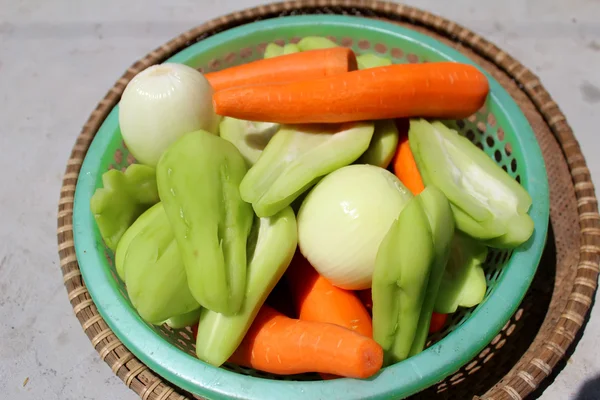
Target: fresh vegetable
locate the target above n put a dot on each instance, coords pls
(291, 48)
(155, 277)
(273, 50)
(287, 67)
(383, 144)
(343, 220)
(296, 158)
(437, 322)
(198, 179)
(249, 137)
(316, 299)
(488, 204)
(123, 197)
(371, 60)
(441, 221)
(271, 247)
(161, 104)
(437, 90)
(463, 284)
(405, 166)
(409, 266)
(282, 345)
(183, 320)
(315, 42)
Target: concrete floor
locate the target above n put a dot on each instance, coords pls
(58, 58)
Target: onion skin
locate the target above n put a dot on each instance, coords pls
(343, 220)
(161, 104)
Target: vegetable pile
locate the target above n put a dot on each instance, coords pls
(307, 212)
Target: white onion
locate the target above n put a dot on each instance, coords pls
(343, 220)
(161, 104)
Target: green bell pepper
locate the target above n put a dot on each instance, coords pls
(271, 248)
(408, 269)
(154, 272)
(273, 50)
(315, 42)
(183, 320)
(291, 48)
(296, 158)
(488, 204)
(383, 144)
(198, 178)
(123, 197)
(249, 137)
(463, 284)
(370, 60)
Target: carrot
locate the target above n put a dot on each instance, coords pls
(437, 322)
(438, 90)
(315, 299)
(281, 345)
(286, 68)
(404, 164)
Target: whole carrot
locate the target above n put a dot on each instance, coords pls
(405, 167)
(315, 299)
(438, 90)
(281, 345)
(286, 68)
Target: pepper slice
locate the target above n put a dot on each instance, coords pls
(488, 204)
(463, 284)
(154, 273)
(383, 144)
(408, 269)
(198, 178)
(296, 158)
(249, 137)
(271, 247)
(123, 197)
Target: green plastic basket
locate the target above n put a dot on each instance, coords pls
(499, 128)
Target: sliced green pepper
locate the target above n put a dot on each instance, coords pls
(370, 60)
(315, 43)
(296, 158)
(383, 144)
(154, 272)
(123, 198)
(273, 50)
(488, 204)
(249, 137)
(183, 320)
(438, 211)
(291, 48)
(463, 284)
(408, 268)
(271, 248)
(198, 178)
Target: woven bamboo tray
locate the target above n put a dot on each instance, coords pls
(533, 346)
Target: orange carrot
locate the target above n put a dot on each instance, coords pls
(318, 300)
(438, 90)
(286, 68)
(437, 322)
(281, 345)
(405, 166)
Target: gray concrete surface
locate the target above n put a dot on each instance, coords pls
(58, 58)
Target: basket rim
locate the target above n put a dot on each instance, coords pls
(401, 379)
(140, 379)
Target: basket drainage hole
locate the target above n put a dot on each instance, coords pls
(490, 141)
(513, 165)
(498, 155)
